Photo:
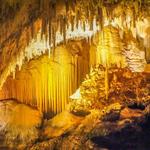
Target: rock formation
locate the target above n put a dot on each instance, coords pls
(19, 124)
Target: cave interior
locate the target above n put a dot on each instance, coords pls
(75, 74)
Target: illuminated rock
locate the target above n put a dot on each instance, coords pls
(60, 124)
(76, 95)
(19, 124)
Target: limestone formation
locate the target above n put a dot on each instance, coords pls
(19, 124)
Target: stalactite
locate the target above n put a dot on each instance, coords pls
(50, 32)
(91, 23)
(18, 38)
(64, 29)
(78, 27)
(27, 37)
(61, 24)
(100, 16)
(87, 13)
(84, 26)
(50, 83)
(134, 19)
(54, 38)
(53, 8)
(67, 5)
(72, 23)
(32, 31)
(43, 28)
(77, 19)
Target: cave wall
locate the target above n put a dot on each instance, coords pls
(46, 82)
